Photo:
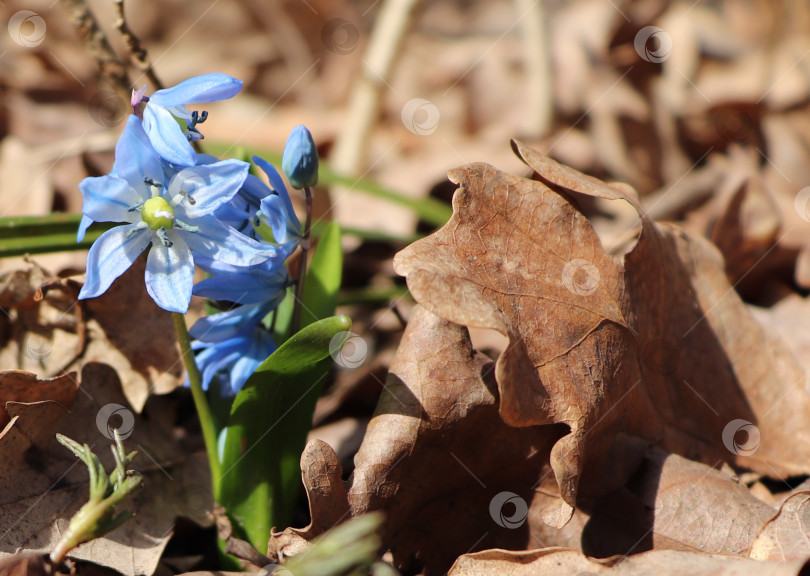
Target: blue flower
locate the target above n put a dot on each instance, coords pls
(233, 343)
(232, 361)
(169, 209)
(261, 283)
(264, 213)
(170, 125)
(300, 159)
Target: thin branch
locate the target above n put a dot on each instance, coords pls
(112, 70)
(138, 53)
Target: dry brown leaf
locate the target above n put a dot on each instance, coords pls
(561, 562)
(676, 503)
(595, 342)
(42, 484)
(785, 537)
(441, 463)
(123, 328)
(19, 386)
(321, 474)
(26, 564)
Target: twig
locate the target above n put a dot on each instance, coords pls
(537, 67)
(138, 53)
(386, 38)
(112, 70)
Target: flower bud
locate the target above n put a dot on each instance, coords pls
(300, 160)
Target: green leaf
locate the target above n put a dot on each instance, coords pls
(323, 277)
(41, 234)
(270, 419)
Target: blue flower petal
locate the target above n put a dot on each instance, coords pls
(208, 187)
(227, 325)
(276, 183)
(170, 273)
(217, 357)
(108, 199)
(259, 347)
(135, 159)
(252, 287)
(166, 136)
(217, 241)
(273, 212)
(205, 88)
(83, 226)
(215, 266)
(112, 255)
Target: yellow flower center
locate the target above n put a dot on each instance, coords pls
(157, 213)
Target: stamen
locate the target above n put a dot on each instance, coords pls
(137, 228)
(138, 206)
(188, 196)
(161, 233)
(152, 182)
(182, 194)
(187, 227)
(196, 118)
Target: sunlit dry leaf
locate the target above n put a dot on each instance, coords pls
(655, 347)
(328, 503)
(676, 503)
(785, 537)
(123, 328)
(42, 484)
(560, 562)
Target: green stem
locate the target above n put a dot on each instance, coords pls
(200, 401)
(302, 265)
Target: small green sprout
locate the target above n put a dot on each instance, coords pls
(98, 516)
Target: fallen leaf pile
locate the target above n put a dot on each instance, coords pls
(115, 364)
(632, 387)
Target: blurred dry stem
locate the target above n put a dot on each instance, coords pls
(364, 105)
(138, 53)
(112, 70)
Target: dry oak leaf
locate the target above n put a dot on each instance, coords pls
(42, 484)
(435, 457)
(653, 345)
(561, 562)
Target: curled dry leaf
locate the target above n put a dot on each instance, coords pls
(560, 562)
(50, 332)
(321, 473)
(42, 484)
(438, 459)
(655, 345)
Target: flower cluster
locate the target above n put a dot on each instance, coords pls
(191, 210)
